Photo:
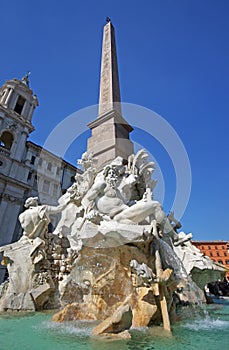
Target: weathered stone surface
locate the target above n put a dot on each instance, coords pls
(17, 295)
(27, 289)
(41, 294)
(103, 278)
(17, 302)
(125, 335)
(75, 311)
(145, 307)
(202, 276)
(120, 321)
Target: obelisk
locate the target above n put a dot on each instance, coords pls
(110, 131)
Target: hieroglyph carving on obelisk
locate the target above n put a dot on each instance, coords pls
(110, 131)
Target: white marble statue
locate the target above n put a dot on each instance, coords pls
(110, 199)
(71, 217)
(35, 219)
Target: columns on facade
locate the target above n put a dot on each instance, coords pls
(19, 147)
(1, 122)
(12, 102)
(25, 109)
(30, 112)
(7, 96)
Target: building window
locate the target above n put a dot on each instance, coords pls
(202, 247)
(40, 161)
(49, 167)
(6, 140)
(58, 170)
(55, 190)
(35, 181)
(29, 175)
(223, 247)
(225, 254)
(217, 253)
(220, 262)
(209, 247)
(46, 186)
(32, 161)
(227, 262)
(211, 254)
(19, 105)
(216, 247)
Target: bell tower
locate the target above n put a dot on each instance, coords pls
(17, 104)
(110, 131)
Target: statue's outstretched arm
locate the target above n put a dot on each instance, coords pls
(56, 210)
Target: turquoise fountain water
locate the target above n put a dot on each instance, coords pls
(208, 331)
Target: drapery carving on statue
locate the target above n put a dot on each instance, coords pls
(71, 217)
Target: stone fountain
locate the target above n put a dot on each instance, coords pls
(114, 256)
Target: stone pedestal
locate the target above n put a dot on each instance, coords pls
(110, 138)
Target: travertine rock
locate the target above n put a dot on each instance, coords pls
(125, 335)
(145, 307)
(75, 311)
(103, 278)
(120, 321)
(28, 288)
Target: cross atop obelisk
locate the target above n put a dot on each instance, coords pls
(109, 96)
(110, 131)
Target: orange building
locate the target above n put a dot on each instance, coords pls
(218, 251)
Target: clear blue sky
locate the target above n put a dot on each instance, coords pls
(173, 59)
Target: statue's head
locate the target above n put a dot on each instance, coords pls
(31, 202)
(111, 175)
(113, 172)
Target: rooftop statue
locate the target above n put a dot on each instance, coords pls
(25, 79)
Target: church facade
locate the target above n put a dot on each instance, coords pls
(26, 169)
